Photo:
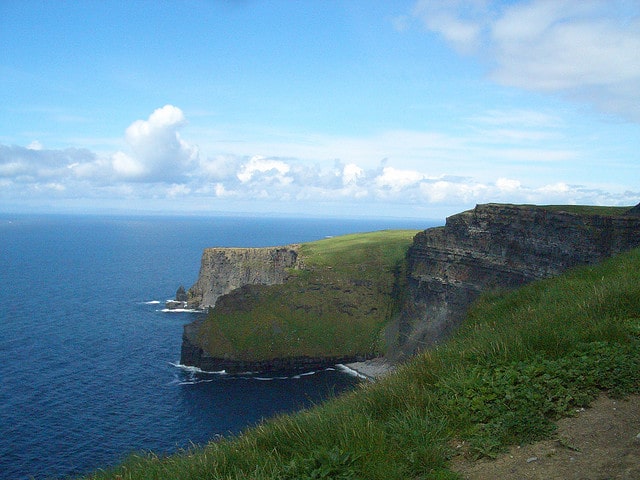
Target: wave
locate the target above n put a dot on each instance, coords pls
(350, 371)
(268, 379)
(306, 374)
(192, 369)
(193, 382)
(180, 310)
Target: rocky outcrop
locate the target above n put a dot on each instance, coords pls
(225, 269)
(496, 246)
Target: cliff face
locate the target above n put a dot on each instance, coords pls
(315, 304)
(225, 269)
(493, 246)
(496, 246)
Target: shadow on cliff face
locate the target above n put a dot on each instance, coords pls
(299, 307)
(497, 246)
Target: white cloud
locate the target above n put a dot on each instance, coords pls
(458, 21)
(265, 168)
(28, 164)
(127, 167)
(159, 154)
(12, 169)
(219, 167)
(54, 186)
(178, 190)
(351, 173)
(397, 180)
(506, 156)
(507, 185)
(588, 51)
(522, 118)
(221, 191)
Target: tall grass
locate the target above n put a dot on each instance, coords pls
(521, 360)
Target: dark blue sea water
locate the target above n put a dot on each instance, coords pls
(87, 359)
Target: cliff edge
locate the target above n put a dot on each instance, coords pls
(497, 246)
(298, 307)
(393, 294)
(222, 270)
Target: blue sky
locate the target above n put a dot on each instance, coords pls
(319, 107)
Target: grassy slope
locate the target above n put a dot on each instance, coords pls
(337, 305)
(520, 360)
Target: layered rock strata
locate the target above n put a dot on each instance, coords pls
(222, 270)
(493, 246)
(496, 246)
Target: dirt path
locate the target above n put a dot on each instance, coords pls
(601, 442)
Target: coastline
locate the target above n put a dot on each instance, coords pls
(371, 370)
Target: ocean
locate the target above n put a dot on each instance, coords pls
(89, 361)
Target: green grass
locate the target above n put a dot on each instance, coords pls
(584, 210)
(588, 209)
(520, 360)
(337, 305)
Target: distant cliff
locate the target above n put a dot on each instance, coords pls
(497, 246)
(222, 270)
(296, 307)
(355, 297)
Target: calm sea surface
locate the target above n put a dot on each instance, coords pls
(88, 360)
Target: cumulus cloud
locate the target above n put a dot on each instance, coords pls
(265, 169)
(158, 152)
(160, 166)
(30, 164)
(219, 167)
(589, 51)
(351, 173)
(397, 180)
(127, 167)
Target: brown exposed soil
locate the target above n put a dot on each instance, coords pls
(601, 442)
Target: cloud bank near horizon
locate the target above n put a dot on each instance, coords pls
(160, 165)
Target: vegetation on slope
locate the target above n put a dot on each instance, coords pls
(588, 209)
(521, 360)
(337, 305)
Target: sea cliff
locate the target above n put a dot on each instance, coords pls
(297, 307)
(222, 270)
(497, 246)
(417, 297)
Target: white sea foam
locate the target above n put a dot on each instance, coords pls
(306, 374)
(152, 302)
(268, 379)
(180, 310)
(192, 369)
(242, 375)
(194, 382)
(351, 371)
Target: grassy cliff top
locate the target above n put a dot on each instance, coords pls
(381, 249)
(521, 360)
(577, 209)
(588, 209)
(336, 305)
